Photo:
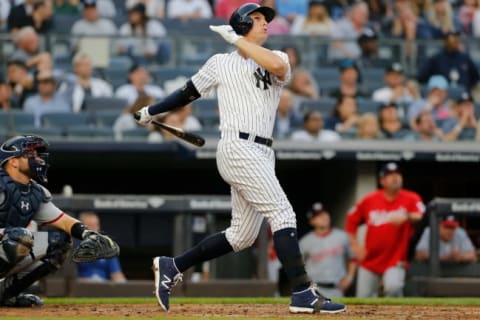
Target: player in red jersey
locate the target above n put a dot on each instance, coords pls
(389, 214)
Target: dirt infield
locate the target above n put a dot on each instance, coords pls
(202, 311)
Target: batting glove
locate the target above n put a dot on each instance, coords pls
(227, 32)
(142, 116)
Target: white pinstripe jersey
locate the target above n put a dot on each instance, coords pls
(248, 95)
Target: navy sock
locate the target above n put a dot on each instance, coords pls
(211, 247)
(288, 252)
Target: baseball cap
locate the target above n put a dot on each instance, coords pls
(388, 168)
(465, 96)
(367, 34)
(346, 64)
(449, 221)
(139, 7)
(89, 3)
(437, 82)
(316, 209)
(395, 67)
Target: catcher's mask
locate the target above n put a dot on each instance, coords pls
(34, 148)
(242, 23)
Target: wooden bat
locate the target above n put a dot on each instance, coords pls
(190, 137)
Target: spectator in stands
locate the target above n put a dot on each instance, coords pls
(290, 9)
(189, 9)
(27, 48)
(368, 43)
(187, 120)
(279, 25)
(451, 62)
(463, 124)
(303, 86)
(396, 89)
(465, 15)
(313, 130)
(34, 13)
(391, 124)
(142, 38)
(476, 23)
(47, 99)
(22, 82)
(92, 24)
(407, 25)
(7, 102)
(154, 8)
(103, 269)
(326, 251)
(346, 31)
(139, 82)
(317, 22)
(350, 79)
(367, 127)
(66, 7)
(441, 18)
(287, 117)
(224, 8)
(436, 102)
(83, 84)
(344, 118)
(294, 55)
(125, 120)
(426, 129)
(389, 214)
(455, 245)
(5, 7)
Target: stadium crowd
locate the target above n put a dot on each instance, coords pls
(119, 51)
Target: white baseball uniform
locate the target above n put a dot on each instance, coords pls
(248, 97)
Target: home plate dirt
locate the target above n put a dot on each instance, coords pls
(199, 311)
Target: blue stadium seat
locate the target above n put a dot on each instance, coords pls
(324, 105)
(93, 104)
(367, 105)
(65, 120)
(169, 73)
(206, 110)
(62, 23)
(105, 118)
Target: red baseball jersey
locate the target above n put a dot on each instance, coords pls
(386, 244)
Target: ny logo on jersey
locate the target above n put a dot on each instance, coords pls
(263, 77)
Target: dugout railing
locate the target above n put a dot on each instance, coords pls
(164, 225)
(445, 279)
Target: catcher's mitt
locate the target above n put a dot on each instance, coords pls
(95, 246)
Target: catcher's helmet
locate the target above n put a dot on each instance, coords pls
(25, 145)
(242, 23)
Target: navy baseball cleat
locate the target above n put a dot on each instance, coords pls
(308, 301)
(166, 276)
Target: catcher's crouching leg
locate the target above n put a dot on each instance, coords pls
(59, 245)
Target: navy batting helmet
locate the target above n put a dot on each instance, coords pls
(242, 23)
(26, 145)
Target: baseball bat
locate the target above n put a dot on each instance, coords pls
(190, 137)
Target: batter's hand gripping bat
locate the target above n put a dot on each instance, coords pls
(190, 137)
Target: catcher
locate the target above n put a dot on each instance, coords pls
(27, 256)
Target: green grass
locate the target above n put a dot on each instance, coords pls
(270, 300)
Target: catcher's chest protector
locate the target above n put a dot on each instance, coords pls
(20, 202)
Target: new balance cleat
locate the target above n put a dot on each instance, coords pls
(308, 301)
(166, 276)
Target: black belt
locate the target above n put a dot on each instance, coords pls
(330, 285)
(266, 141)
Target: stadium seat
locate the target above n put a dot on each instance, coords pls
(105, 118)
(324, 105)
(66, 120)
(62, 23)
(206, 110)
(367, 105)
(170, 73)
(93, 104)
(16, 120)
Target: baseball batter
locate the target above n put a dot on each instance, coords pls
(389, 214)
(248, 83)
(27, 256)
